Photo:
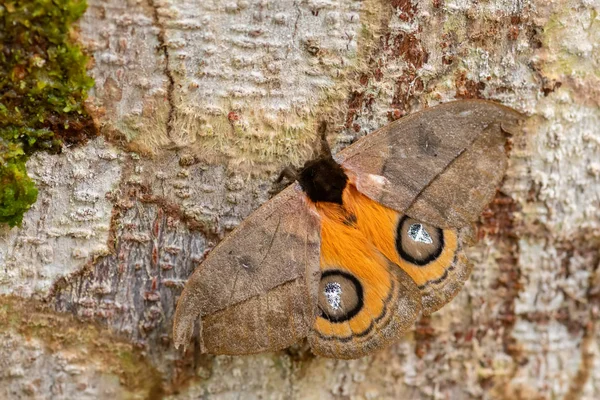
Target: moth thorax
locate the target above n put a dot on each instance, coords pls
(323, 179)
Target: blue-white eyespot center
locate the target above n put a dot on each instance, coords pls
(333, 294)
(418, 233)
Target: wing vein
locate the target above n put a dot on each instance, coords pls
(433, 179)
(272, 241)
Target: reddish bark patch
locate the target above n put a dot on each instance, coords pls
(424, 336)
(364, 79)
(354, 105)
(405, 8)
(448, 43)
(378, 74)
(233, 116)
(394, 45)
(513, 32)
(497, 218)
(515, 29)
(408, 87)
(498, 221)
(409, 47)
(467, 88)
(395, 114)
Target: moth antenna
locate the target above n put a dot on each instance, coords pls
(325, 149)
(288, 172)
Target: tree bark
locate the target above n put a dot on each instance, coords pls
(201, 102)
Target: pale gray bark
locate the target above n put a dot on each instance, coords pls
(200, 102)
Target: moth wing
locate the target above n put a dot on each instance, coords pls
(441, 165)
(365, 301)
(433, 257)
(271, 321)
(260, 280)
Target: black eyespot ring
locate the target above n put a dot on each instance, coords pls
(405, 256)
(359, 296)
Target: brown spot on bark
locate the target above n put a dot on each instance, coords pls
(378, 75)
(395, 114)
(354, 105)
(233, 116)
(312, 47)
(74, 130)
(410, 49)
(447, 60)
(547, 85)
(550, 86)
(498, 221)
(467, 88)
(408, 87)
(533, 35)
(364, 79)
(587, 364)
(405, 8)
(424, 335)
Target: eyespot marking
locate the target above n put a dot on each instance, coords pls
(418, 243)
(341, 296)
(418, 233)
(333, 293)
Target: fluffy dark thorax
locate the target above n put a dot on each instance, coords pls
(323, 179)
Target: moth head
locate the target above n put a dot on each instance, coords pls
(323, 179)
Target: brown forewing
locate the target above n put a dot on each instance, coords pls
(278, 244)
(440, 165)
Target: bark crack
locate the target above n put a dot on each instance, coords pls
(295, 32)
(162, 46)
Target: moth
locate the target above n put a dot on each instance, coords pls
(361, 245)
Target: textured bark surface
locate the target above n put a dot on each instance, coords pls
(200, 102)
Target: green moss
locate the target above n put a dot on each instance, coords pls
(43, 85)
(17, 192)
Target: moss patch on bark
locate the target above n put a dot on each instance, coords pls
(43, 86)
